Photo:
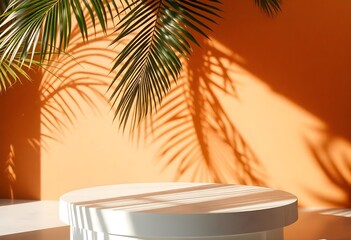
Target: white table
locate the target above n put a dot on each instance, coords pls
(177, 211)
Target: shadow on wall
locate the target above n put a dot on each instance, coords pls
(304, 54)
(64, 92)
(19, 129)
(195, 126)
(39, 111)
(198, 136)
(334, 161)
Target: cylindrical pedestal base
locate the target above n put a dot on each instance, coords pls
(83, 234)
(178, 211)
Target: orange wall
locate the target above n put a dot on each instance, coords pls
(295, 110)
(265, 102)
(19, 133)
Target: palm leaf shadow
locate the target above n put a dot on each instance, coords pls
(63, 92)
(197, 133)
(59, 95)
(338, 175)
(10, 172)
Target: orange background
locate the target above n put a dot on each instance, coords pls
(266, 102)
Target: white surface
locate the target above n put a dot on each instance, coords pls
(181, 210)
(330, 211)
(24, 216)
(83, 234)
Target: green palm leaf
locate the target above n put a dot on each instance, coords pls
(26, 22)
(12, 72)
(150, 61)
(3, 5)
(163, 31)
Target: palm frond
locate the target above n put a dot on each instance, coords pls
(163, 32)
(27, 24)
(3, 5)
(15, 71)
(151, 60)
(270, 7)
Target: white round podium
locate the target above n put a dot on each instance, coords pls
(160, 211)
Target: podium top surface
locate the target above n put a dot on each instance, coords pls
(178, 209)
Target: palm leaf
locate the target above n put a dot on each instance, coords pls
(3, 5)
(270, 7)
(149, 63)
(10, 73)
(163, 31)
(15, 71)
(24, 20)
